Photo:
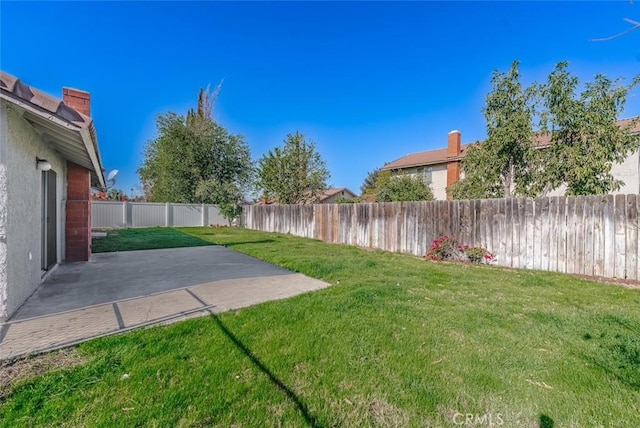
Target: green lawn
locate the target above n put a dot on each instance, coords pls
(145, 239)
(396, 341)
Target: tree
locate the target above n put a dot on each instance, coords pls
(115, 194)
(369, 183)
(195, 160)
(402, 187)
(500, 167)
(294, 173)
(585, 137)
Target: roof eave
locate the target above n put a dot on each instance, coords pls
(413, 165)
(88, 134)
(90, 141)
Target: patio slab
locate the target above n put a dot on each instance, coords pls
(117, 292)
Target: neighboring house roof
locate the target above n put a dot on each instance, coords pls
(430, 157)
(332, 192)
(70, 132)
(439, 156)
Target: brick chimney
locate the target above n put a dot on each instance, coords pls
(453, 152)
(78, 204)
(78, 100)
(453, 145)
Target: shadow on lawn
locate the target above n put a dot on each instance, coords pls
(263, 241)
(302, 407)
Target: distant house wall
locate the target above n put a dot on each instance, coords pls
(627, 171)
(449, 160)
(24, 208)
(437, 180)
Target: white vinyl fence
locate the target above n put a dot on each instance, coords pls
(115, 214)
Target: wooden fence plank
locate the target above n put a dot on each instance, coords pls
(620, 244)
(508, 231)
(522, 232)
(588, 235)
(530, 255)
(571, 234)
(609, 236)
(598, 235)
(580, 212)
(542, 234)
(631, 230)
(562, 234)
(553, 234)
(478, 226)
(637, 225)
(430, 232)
(465, 221)
(501, 231)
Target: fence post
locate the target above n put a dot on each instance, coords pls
(167, 214)
(125, 220)
(204, 214)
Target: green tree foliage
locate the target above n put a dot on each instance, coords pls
(500, 167)
(115, 194)
(585, 139)
(369, 183)
(195, 160)
(294, 173)
(404, 187)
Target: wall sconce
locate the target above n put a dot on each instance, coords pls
(43, 164)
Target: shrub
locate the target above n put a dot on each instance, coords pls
(447, 248)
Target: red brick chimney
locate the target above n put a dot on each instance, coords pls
(453, 145)
(453, 153)
(78, 205)
(78, 100)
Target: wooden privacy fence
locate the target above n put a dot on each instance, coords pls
(588, 235)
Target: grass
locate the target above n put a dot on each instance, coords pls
(396, 341)
(145, 239)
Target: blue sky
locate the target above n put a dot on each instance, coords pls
(367, 82)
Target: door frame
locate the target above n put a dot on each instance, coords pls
(49, 220)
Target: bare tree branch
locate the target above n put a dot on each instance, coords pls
(635, 24)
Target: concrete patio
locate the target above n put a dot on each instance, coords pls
(117, 292)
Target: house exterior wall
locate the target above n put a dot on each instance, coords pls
(627, 171)
(24, 208)
(438, 179)
(3, 212)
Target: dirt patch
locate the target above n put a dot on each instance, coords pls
(628, 283)
(13, 372)
(384, 414)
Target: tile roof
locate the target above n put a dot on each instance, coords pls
(429, 157)
(334, 191)
(49, 103)
(438, 156)
(77, 140)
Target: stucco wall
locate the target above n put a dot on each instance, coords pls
(627, 171)
(438, 179)
(3, 211)
(24, 201)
